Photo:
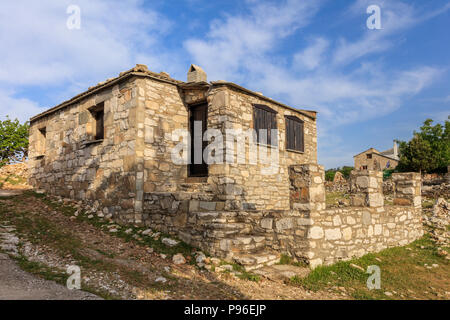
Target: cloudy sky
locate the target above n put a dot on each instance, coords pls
(369, 86)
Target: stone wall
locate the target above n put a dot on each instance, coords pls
(367, 226)
(69, 163)
(240, 208)
(340, 234)
(366, 188)
(256, 185)
(307, 230)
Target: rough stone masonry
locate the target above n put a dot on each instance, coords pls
(112, 145)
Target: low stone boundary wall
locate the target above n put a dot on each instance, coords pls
(339, 234)
(324, 236)
(308, 231)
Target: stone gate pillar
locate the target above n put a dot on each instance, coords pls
(366, 187)
(407, 189)
(307, 189)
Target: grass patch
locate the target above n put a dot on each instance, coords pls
(101, 223)
(42, 270)
(287, 260)
(428, 204)
(239, 271)
(403, 273)
(56, 275)
(333, 198)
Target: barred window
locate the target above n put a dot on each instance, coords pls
(264, 120)
(294, 134)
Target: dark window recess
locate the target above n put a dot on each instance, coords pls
(198, 113)
(295, 137)
(43, 139)
(369, 156)
(98, 114)
(265, 118)
(99, 125)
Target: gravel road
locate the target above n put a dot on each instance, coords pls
(16, 284)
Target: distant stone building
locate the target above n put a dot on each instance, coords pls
(117, 146)
(372, 159)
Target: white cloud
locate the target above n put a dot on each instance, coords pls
(311, 57)
(38, 50)
(396, 17)
(240, 49)
(236, 43)
(42, 50)
(20, 108)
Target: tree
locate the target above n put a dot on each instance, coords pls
(345, 170)
(329, 174)
(428, 150)
(13, 141)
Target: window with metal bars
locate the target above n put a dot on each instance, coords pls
(264, 120)
(295, 137)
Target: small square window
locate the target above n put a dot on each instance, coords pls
(369, 156)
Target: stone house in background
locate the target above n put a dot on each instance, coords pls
(373, 159)
(111, 148)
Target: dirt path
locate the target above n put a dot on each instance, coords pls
(16, 284)
(9, 193)
(120, 264)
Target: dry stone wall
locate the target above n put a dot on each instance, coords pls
(256, 185)
(367, 226)
(240, 208)
(69, 163)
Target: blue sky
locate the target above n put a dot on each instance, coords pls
(369, 86)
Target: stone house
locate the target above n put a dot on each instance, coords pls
(117, 148)
(372, 159)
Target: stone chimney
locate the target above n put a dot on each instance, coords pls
(395, 149)
(196, 74)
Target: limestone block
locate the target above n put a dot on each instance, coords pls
(347, 233)
(333, 234)
(337, 220)
(283, 224)
(351, 220)
(315, 233)
(314, 263)
(366, 218)
(305, 222)
(378, 229)
(362, 181)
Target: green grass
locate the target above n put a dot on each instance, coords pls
(101, 223)
(42, 270)
(241, 272)
(332, 198)
(287, 260)
(40, 230)
(12, 179)
(57, 275)
(402, 271)
(427, 204)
